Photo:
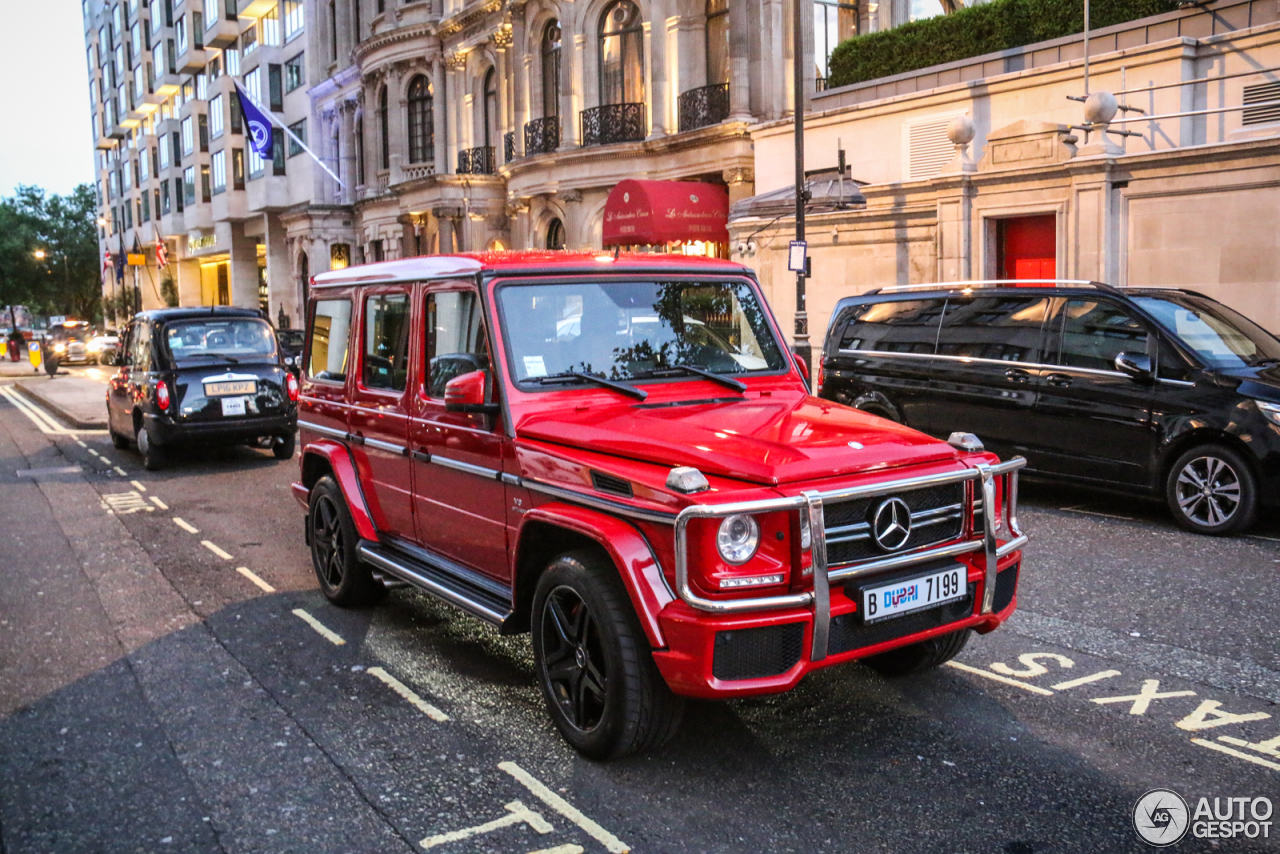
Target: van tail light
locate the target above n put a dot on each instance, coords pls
(162, 395)
(291, 386)
(822, 378)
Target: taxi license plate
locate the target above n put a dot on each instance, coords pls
(233, 387)
(233, 406)
(913, 594)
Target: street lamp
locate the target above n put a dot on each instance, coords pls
(40, 254)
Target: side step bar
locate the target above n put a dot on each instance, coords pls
(439, 577)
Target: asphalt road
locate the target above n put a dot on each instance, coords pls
(172, 680)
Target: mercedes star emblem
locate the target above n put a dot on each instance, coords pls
(891, 524)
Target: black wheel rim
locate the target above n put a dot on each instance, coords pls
(1208, 491)
(326, 537)
(572, 659)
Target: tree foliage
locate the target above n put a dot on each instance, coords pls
(68, 279)
(974, 31)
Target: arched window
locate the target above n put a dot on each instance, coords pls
(384, 131)
(551, 69)
(490, 108)
(717, 42)
(421, 121)
(621, 54)
(555, 235)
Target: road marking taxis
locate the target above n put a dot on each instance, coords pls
(517, 813)
(566, 809)
(330, 636)
(996, 677)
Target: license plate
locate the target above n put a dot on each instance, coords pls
(913, 594)
(235, 387)
(233, 406)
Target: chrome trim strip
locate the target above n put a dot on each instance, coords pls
(1042, 366)
(919, 519)
(386, 446)
(615, 507)
(459, 465)
(821, 580)
(453, 597)
(324, 431)
(899, 561)
(989, 544)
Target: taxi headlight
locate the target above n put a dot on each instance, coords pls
(58, 348)
(738, 539)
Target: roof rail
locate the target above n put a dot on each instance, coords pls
(996, 283)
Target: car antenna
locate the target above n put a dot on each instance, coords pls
(617, 250)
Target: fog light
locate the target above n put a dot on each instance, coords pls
(738, 538)
(751, 581)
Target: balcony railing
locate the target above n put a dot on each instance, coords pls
(476, 161)
(542, 136)
(612, 123)
(703, 107)
(508, 147)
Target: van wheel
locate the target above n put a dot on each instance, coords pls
(919, 657)
(152, 454)
(1211, 490)
(282, 446)
(602, 688)
(344, 580)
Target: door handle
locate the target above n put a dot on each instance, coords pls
(1017, 375)
(422, 456)
(1059, 380)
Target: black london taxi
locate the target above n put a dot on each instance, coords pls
(191, 376)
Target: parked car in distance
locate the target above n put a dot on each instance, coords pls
(291, 343)
(104, 347)
(1161, 391)
(620, 456)
(187, 376)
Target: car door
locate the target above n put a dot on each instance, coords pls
(378, 418)
(119, 404)
(1091, 420)
(459, 500)
(986, 374)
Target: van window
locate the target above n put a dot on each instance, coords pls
(1094, 332)
(909, 326)
(330, 328)
(456, 343)
(1006, 328)
(386, 342)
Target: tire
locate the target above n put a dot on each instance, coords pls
(603, 690)
(344, 579)
(283, 446)
(152, 454)
(1211, 489)
(919, 657)
(117, 440)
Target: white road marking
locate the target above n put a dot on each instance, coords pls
(78, 442)
(138, 486)
(1142, 699)
(37, 416)
(157, 502)
(249, 574)
(560, 849)
(1271, 746)
(185, 525)
(213, 548)
(518, 813)
(1076, 509)
(331, 637)
(560, 805)
(119, 470)
(996, 677)
(124, 503)
(1085, 680)
(405, 691)
(1031, 664)
(1257, 760)
(95, 453)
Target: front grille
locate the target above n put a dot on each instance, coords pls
(1006, 584)
(756, 653)
(848, 632)
(937, 516)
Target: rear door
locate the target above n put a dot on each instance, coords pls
(119, 402)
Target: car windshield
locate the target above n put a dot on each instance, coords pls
(627, 330)
(231, 340)
(1221, 337)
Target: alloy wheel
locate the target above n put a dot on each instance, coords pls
(1208, 491)
(573, 659)
(326, 534)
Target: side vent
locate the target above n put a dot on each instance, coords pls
(1262, 93)
(610, 484)
(928, 148)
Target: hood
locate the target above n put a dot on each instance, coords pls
(1262, 381)
(768, 440)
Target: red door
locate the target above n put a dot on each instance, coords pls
(1029, 247)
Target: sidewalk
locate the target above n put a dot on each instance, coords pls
(78, 401)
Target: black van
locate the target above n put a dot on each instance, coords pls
(1162, 391)
(201, 375)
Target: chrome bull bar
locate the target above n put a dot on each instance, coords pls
(813, 501)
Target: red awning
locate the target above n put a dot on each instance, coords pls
(659, 212)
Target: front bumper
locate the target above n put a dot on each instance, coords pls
(719, 648)
(167, 431)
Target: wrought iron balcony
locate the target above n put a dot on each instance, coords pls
(542, 136)
(476, 161)
(612, 123)
(705, 106)
(508, 147)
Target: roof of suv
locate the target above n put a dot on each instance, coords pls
(519, 263)
(1020, 286)
(163, 314)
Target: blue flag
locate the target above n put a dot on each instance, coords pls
(258, 124)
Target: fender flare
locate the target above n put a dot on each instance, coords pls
(338, 456)
(628, 549)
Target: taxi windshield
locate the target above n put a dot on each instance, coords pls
(229, 340)
(632, 330)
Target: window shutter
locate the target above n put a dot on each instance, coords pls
(1261, 93)
(928, 149)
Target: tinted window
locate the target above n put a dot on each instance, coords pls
(1094, 332)
(386, 342)
(456, 343)
(910, 326)
(330, 330)
(1221, 337)
(1003, 328)
(229, 341)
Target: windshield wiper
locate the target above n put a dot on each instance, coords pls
(566, 376)
(693, 370)
(232, 359)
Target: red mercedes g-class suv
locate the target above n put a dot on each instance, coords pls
(620, 455)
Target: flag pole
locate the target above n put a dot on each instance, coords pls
(244, 93)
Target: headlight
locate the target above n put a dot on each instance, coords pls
(95, 346)
(738, 539)
(58, 348)
(1271, 410)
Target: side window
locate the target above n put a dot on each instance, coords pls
(140, 347)
(330, 329)
(1094, 332)
(386, 342)
(1003, 328)
(909, 326)
(456, 342)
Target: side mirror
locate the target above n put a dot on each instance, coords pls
(1136, 365)
(465, 393)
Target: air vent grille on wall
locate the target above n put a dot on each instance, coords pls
(1261, 93)
(610, 484)
(928, 149)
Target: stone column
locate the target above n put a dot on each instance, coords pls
(439, 130)
(502, 71)
(520, 60)
(741, 183)
(655, 39)
(739, 63)
(396, 123)
(243, 268)
(280, 285)
(572, 47)
(347, 152)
